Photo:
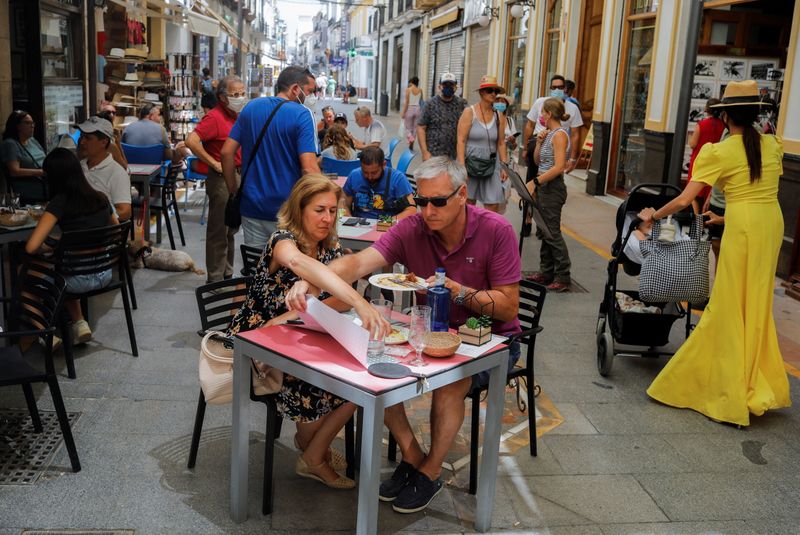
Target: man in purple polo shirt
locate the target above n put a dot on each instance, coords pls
(478, 250)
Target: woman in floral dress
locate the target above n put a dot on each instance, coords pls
(306, 240)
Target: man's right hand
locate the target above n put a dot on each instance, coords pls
(217, 167)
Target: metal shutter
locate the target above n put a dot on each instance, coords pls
(448, 57)
(479, 57)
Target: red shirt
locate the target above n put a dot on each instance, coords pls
(213, 130)
(711, 130)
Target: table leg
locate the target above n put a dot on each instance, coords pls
(487, 474)
(369, 477)
(146, 208)
(240, 454)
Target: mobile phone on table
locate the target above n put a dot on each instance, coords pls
(351, 221)
(296, 321)
(363, 221)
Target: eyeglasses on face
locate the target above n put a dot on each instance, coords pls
(236, 95)
(492, 90)
(438, 202)
(555, 86)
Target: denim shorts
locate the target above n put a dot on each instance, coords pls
(479, 380)
(78, 284)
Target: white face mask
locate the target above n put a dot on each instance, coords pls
(235, 104)
(310, 102)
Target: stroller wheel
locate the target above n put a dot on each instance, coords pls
(605, 351)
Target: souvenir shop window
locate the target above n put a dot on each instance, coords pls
(57, 45)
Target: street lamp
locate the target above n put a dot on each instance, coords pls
(488, 14)
(518, 9)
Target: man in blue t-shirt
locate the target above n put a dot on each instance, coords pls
(287, 152)
(376, 190)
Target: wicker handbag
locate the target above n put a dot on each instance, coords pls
(216, 372)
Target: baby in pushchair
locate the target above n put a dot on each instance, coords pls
(641, 233)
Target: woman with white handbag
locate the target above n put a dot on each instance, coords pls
(304, 242)
(731, 365)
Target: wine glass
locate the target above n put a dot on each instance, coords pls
(418, 331)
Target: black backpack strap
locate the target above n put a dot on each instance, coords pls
(258, 143)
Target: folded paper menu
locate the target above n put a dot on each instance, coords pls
(350, 335)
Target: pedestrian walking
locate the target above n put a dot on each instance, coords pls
(206, 143)
(550, 155)
(481, 143)
(438, 122)
(411, 110)
(287, 151)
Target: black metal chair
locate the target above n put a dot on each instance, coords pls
(85, 252)
(35, 308)
(216, 303)
(166, 201)
(531, 301)
(250, 257)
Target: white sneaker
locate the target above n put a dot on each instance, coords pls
(81, 333)
(56, 343)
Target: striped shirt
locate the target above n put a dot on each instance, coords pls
(546, 154)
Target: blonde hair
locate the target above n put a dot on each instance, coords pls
(290, 216)
(555, 106)
(337, 137)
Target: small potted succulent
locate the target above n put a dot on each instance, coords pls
(476, 331)
(385, 222)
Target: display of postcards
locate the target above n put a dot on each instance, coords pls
(703, 90)
(733, 69)
(706, 67)
(722, 90)
(687, 157)
(775, 75)
(697, 111)
(759, 69)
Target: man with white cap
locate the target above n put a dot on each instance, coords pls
(103, 173)
(438, 124)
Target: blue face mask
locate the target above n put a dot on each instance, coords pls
(557, 93)
(500, 106)
(448, 91)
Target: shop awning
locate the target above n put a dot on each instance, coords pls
(202, 25)
(445, 18)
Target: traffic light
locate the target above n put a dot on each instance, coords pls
(351, 52)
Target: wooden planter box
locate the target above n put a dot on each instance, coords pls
(383, 226)
(475, 337)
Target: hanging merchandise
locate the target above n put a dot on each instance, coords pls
(184, 93)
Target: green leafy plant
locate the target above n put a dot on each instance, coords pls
(472, 323)
(483, 321)
(387, 219)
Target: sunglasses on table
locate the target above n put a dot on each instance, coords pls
(438, 202)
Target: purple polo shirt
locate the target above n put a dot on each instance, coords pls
(488, 257)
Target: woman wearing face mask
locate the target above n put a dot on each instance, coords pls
(731, 365)
(480, 143)
(206, 142)
(502, 104)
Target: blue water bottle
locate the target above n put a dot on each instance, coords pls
(439, 301)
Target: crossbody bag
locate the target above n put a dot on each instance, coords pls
(483, 168)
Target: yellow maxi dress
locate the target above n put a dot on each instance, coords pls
(731, 365)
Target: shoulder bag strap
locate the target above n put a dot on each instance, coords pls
(258, 143)
(28, 153)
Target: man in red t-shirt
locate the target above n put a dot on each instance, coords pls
(206, 142)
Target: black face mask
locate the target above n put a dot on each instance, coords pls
(448, 91)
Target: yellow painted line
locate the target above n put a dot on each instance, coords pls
(586, 243)
(791, 370)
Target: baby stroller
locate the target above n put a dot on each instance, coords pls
(638, 327)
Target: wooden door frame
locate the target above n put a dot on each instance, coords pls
(544, 84)
(616, 126)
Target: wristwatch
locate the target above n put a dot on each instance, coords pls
(459, 299)
(536, 181)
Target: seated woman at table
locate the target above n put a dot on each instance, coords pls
(21, 153)
(337, 144)
(74, 205)
(304, 242)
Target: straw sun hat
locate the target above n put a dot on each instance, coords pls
(743, 93)
(489, 82)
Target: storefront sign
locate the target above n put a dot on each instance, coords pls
(366, 53)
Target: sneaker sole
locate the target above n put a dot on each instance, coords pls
(421, 507)
(387, 498)
(83, 339)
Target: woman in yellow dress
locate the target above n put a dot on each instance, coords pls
(731, 365)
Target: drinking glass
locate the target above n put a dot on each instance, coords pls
(418, 331)
(376, 347)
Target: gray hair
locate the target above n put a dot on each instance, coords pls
(363, 111)
(222, 85)
(440, 165)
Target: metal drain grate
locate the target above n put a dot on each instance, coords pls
(78, 532)
(24, 453)
(575, 287)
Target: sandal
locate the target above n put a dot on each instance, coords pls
(336, 458)
(303, 469)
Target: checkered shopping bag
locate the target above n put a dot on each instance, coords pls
(677, 270)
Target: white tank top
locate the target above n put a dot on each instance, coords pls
(413, 100)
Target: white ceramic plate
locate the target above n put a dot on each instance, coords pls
(381, 280)
(399, 335)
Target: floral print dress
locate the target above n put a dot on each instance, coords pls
(266, 298)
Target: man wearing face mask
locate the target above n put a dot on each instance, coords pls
(287, 151)
(536, 125)
(206, 143)
(438, 124)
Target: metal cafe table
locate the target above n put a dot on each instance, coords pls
(317, 359)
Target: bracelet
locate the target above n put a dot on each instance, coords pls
(536, 181)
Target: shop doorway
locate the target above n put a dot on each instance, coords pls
(397, 83)
(589, 53)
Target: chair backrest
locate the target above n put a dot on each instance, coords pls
(405, 160)
(250, 257)
(31, 189)
(531, 301)
(191, 173)
(38, 295)
(170, 178)
(94, 250)
(392, 145)
(340, 167)
(76, 136)
(152, 154)
(217, 302)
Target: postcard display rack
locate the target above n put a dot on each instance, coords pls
(183, 96)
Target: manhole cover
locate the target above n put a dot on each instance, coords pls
(24, 453)
(78, 532)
